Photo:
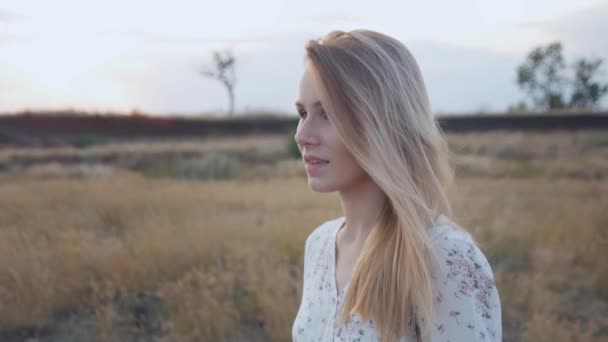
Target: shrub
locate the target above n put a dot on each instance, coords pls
(292, 147)
(85, 140)
(215, 165)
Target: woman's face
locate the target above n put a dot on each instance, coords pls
(317, 137)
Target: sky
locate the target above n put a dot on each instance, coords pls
(144, 56)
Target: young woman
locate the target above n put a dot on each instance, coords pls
(395, 267)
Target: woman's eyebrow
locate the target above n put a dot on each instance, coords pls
(316, 104)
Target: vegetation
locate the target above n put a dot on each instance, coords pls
(100, 249)
(224, 71)
(85, 140)
(292, 147)
(544, 80)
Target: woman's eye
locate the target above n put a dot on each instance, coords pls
(303, 115)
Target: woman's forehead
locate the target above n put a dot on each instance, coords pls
(308, 90)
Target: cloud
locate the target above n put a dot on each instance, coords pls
(267, 77)
(178, 39)
(579, 31)
(6, 39)
(162, 79)
(333, 19)
(198, 39)
(463, 79)
(196, 44)
(6, 16)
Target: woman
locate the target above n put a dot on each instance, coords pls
(394, 267)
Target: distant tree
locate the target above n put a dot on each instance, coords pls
(586, 91)
(543, 78)
(223, 70)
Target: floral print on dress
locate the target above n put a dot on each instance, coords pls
(464, 269)
(467, 301)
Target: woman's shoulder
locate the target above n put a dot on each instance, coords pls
(322, 232)
(467, 299)
(451, 242)
(458, 252)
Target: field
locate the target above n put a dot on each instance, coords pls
(203, 240)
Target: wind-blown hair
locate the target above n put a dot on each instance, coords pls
(373, 91)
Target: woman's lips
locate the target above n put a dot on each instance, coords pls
(314, 169)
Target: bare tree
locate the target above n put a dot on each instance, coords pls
(223, 71)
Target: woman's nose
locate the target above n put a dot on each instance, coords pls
(305, 135)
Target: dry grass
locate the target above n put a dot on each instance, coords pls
(265, 143)
(85, 242)
(117, 256)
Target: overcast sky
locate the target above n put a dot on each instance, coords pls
(143, 55)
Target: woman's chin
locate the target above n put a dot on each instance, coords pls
(319, 185)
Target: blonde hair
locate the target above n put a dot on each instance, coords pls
(372, 89)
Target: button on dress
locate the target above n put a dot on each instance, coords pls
(467, 300)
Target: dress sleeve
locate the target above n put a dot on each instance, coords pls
(467, 303)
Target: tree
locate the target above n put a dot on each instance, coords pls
(223, 71)
(587, 92)
(543, 77)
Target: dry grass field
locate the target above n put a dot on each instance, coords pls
(203, 240)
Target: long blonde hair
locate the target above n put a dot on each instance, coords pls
(372, 89)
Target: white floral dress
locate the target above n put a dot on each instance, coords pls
(467, 300)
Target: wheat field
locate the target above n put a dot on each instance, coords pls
(203, 241)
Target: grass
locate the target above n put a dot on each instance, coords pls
(119, 255)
